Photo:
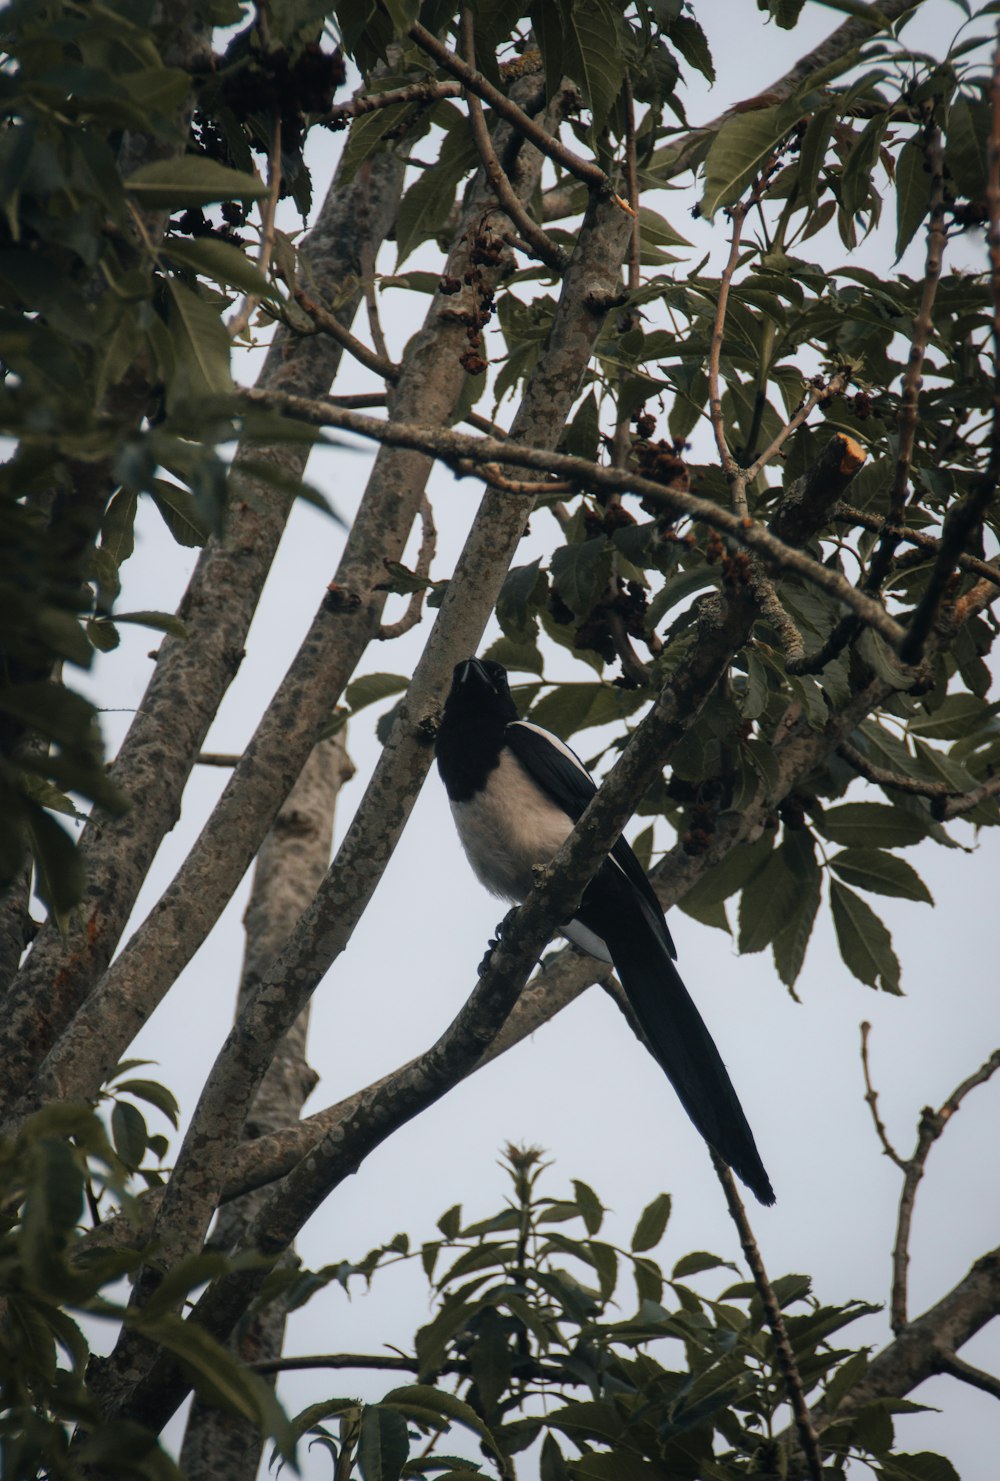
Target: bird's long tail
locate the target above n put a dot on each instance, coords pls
(678, 1038)
(682, 1045)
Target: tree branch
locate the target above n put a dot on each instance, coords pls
(425, 556)
(775, 1320)
(932, 1124)
(329, 324)
(540, 244)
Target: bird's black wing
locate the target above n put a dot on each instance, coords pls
(562, 776)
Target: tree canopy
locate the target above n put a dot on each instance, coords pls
(761, 485)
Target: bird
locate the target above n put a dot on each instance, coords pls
(516, 790)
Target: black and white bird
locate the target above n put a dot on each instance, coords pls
(516, 791)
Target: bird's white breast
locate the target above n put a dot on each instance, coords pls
(509, 828)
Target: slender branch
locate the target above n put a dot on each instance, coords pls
(217, 758)
(430, 91)
(846, 514)
(632, 181)
(339, 1360)
(952, 1364)
(454, 447)
(415, 606)
(371, 303)
(871, 1100)
(932, 1124)
(882, 776)
(816, 394)
(474, 82)
(775, 1320)
(540, 244)
(238, 324)
(329, 324)
(734, 476)
(969, 800)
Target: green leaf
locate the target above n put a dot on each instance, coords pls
(523, 588)
(371, 688)
(200, 347)
(569, 708)
(162, 622)
(743, 144)
(865, 943)
(60, 874)
(965, 150)
(790, 942)
(384, 1446)
(580, 573)
(157, 1095)
(698, 1261)
(191, 180)
(221, 261)
(593, 55)
(767, 901)
(872, 825)
(591, 1207)
(652, 1223)
(912, 193)
(689, 39)
(447, 1406)
(129, 1133)
(881, 873)
(179, 513)
(427, 204)
(118, 525)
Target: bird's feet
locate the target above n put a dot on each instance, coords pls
(494, 942)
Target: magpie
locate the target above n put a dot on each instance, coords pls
(516, 791)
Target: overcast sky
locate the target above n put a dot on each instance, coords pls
(583, 1088)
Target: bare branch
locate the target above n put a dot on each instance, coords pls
(848, 515)
(427, 92)
(988, 1383)
(775, 1320)
(240, 321)
(871, 1099)
(415, 606)
(328, 323)
(457, 448)
(474, 82)
(734, 477)
(540, 244)
(932, 1124)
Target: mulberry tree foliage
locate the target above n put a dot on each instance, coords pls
(766, 476)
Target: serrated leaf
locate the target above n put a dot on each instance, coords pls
(191, 180)
(177, 509)
(580, 573)
(881, 873)
(696, 1262)
(912, 194)
(767, 901)
(439, 1402)
(865, 943)
(222, 262)
(689, 39)
(742, 145)
(591, 1208)
(427, 204)
(522, 589)
(652, 1223)
(872, 825)
(384, 1445)
(200, 347)
(593, 54)
(790, 943)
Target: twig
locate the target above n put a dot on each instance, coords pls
(237, 325)
(415, 92)
(957, 1367)
(632, 181)
(217, 758)
(969, 800)
(932, 1124)
(833, 387)
(734, 477)
(538, 242)
(336, 1360)
(454, 448)
(371, 302)
(775, 1320)
(871, 1100)
(846, 514)
(959, 801)
(474, 82)
(415, 606)
(329, 324)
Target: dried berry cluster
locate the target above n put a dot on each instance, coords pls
(291, 88)
(194, 223)
(486, 250)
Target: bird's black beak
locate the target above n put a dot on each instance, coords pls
(471, 672)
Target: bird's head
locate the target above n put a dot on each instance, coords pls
(480, 686)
